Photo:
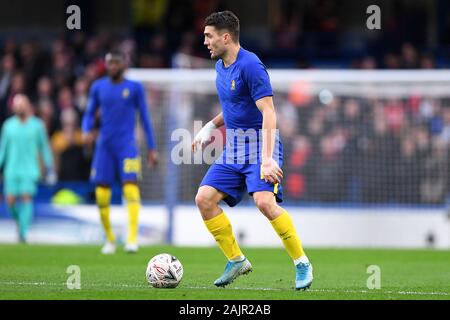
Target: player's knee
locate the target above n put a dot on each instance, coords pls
(131, 192)
(103, 196)
(203, 201)
(265, 204)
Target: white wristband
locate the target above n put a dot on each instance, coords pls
(205, 133)
(210, 125)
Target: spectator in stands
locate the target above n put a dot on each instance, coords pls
(92, 51)
(147, 17)
(391, 61)
(156, 55)
(10, 48)
(315, 128)
(8, 64)
(409, 57)
(65, 99)
(394, 114)
(327, 183)
(434, 185)
(422, 139)
(93, 71)
(80, 99)
(288, 116)
(427, 62)
(61, 72)
(18, 85)
(407, 173)
(354, 128)
(288, 29)
(46, 111)
(445, 135)
(44, 90)
(33, 62)
(323, 20)
(377, 160)
(332, 112)
(128, 47)
(368, 63)
(202, 9)
(67, 146)
(297, 168)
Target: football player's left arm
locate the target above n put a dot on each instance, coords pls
(152, 154)
(269, 167)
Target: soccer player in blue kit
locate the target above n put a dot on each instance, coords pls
(245, 94)
(116, 153)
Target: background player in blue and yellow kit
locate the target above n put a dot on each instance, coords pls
(23, 140)
(247, 163)
(116, 154)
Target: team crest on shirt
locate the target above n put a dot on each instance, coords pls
(125, 93)
(233, 85)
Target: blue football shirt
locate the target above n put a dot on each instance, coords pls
(118, 103)
(238, 170)
(239, 86)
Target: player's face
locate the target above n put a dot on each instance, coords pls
(21, 105)
(115, 68)
(215, 42)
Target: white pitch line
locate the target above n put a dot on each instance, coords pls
(340, 291)
(42, 283)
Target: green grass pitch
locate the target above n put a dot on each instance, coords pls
(39, 272)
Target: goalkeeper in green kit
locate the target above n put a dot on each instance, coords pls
(23, 138)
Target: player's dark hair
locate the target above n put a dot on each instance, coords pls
(225, 20)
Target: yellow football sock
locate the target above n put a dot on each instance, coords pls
(103, 198)
(133, 198)
(220, 228)
(285, 229)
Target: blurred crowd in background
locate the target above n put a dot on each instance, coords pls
(349, 150)
(367, 150)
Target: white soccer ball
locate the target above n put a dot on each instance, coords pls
(164, 271)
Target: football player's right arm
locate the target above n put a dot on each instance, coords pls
(205, 134)
(89, 116)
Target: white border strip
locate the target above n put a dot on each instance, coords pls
(191, 76)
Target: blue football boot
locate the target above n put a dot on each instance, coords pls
(232, 271)
(304, 276)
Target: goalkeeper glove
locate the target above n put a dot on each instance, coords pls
(50, 177)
